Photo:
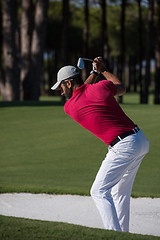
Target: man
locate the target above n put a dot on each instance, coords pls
(96, 109)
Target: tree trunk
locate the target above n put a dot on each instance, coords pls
(37, 48)
(157, 59)
(26, 33)
(127, 74)
(148, 52)
(11, 88)
(134, 75)
(140, 48)
(64, 54)
(64, 48)
(85, 38)
(1, 64)
(122, 40)
(104, 47)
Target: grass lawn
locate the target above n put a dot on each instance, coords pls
(18, 229)
(44, 150)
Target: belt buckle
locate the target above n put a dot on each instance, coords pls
(136, 129)
(119, 138)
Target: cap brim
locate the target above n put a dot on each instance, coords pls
(55, 86)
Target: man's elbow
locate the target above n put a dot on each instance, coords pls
(121, 90)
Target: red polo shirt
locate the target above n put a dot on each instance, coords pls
(95, 108)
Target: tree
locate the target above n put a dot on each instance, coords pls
(65, 28)
(104, 47)
(26, 36)
(11, 85)
(37, 50)
(157, 59)
(1, 65)
(86, 29)
(148, 51)
(122, 46)
(85, 37)
(140, 47)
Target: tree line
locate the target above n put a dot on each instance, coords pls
(37, 37)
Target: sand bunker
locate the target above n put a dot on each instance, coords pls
(144, 219)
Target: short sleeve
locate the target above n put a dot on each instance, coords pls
(109, 86)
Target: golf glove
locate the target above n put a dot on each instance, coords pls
(94, 68)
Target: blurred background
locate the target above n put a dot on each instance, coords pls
(38, 37)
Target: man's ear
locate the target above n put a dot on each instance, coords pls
(69, 84)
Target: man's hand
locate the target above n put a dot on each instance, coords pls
(100, 67)
(96, 70)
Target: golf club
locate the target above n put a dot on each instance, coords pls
(80, 63)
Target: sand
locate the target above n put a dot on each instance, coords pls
(144, 217)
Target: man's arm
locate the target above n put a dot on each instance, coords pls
(109, 76)
(91, 79)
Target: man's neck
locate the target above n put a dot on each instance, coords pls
(77, 86)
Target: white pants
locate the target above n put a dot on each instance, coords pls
(112, 187)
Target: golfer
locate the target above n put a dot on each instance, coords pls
(94, 106)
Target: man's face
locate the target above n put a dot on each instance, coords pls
(66, 90)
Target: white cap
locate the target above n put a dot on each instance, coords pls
(65, 73)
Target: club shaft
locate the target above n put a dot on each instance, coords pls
(87, 59)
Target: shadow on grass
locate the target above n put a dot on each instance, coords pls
(31, 103)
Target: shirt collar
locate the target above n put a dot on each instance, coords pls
(80, 89)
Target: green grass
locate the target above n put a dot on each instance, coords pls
(17, 229)
(44, 150)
